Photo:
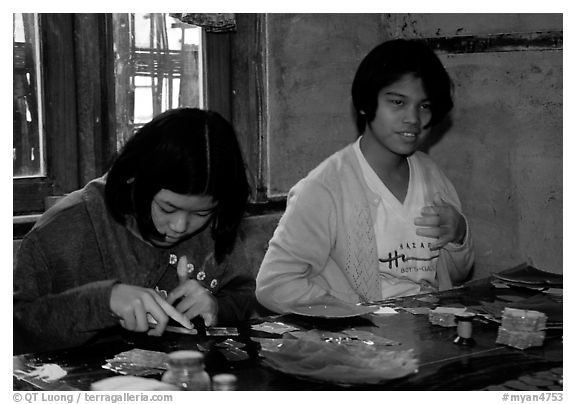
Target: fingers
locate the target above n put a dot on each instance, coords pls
(187, 288)
(182, 269)
(428, 221)
(173, 313)
(442, 234)
(140, 310)
(209, 319)
(137, 307)
(191, 308)
(437, 200)
(439, 220)
(194, 300)
(432, 232)
(128, 322)
(431, 210)
(156, 317)
(438, 244)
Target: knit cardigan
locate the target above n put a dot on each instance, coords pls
(325, 244)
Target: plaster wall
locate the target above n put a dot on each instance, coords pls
(312, 59)
(504, 154)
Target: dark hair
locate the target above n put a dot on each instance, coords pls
(387, 63)
(188, 151)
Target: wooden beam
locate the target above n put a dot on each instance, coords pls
(513, 42)
(249, 98)
(217, 62)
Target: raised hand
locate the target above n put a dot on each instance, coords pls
(441, 220)
(191, 298)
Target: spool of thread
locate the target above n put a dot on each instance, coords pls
(464, 328)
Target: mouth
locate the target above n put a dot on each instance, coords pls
(409, 135)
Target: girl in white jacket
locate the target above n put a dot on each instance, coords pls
(377, 219)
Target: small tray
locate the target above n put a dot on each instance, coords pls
(528, 275)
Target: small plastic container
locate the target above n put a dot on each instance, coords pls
(186, 371)
(224, 382)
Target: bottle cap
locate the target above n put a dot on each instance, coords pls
(184, 358)
(224, 381)
(465, 316)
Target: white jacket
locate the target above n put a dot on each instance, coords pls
(325, 243)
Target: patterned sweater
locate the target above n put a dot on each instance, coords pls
(68, 263)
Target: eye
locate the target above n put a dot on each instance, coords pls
(165, 209)
(426, 106)
(204, 213)
(396, 102)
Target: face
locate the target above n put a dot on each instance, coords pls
(178, 216)
(402, 113)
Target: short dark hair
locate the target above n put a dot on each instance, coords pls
(187, 151)
(387, 63)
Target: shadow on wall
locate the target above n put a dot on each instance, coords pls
(436, 134)
(258, 231)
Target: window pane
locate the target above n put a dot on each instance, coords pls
(28, 138)
(157, 67)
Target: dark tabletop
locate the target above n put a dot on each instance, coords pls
(443, 365)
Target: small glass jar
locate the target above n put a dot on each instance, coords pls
(224, 382)
(186, 371)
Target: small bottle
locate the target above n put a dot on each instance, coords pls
(186, 371)
(224, 382)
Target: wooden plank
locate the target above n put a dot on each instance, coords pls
(87, 54)
(60, 95)
(513, 42)
(249, 98)
(107, 86)
(218, 66)
(124, 71)
(29, 194)
(95, 78)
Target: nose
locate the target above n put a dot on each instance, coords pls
(178, 222)
(412, 116)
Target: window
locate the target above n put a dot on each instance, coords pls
(44, 124)
(28, 140)
(84, 82)
(158, 67)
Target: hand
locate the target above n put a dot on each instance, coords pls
(442, 221)
(194, 299)
(133, 305)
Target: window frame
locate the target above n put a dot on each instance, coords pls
(77, 55)
(73, 59)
